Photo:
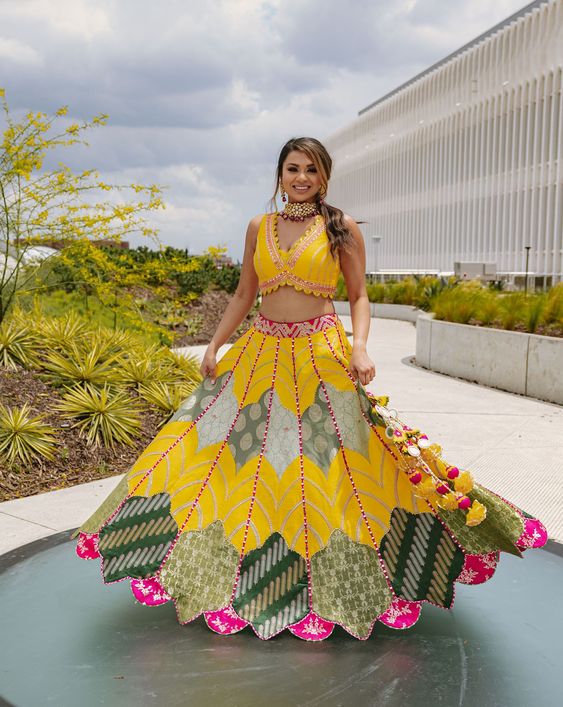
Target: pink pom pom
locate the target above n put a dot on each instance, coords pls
(443, 488)
(416, 477)
(464, 502)
(452, 472)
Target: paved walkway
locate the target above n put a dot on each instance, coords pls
(511, 444)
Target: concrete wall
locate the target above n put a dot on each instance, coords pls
(528, 364)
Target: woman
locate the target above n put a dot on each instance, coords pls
(282, 494)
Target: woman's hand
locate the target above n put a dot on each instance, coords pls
(208, 363)
(361, 365)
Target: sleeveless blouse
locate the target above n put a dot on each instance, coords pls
(307, 265)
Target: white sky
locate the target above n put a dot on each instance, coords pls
(201, 96)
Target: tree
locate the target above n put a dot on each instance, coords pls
(40, 207)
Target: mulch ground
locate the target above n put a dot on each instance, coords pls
(75, 462)
(211, 307)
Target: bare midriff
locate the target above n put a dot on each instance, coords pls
(286, 304)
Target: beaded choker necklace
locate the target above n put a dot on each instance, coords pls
(299, 211)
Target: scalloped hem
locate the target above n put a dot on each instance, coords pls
(400, 615)
(306, 290)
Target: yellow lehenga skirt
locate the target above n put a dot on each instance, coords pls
(285, 495)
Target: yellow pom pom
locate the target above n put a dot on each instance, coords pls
(426, 488)
(476, 514)
(435, 449)
(448, 502)
(464, 482)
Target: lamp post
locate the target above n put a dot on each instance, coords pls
(527, 247)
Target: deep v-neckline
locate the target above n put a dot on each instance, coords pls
(301, 237)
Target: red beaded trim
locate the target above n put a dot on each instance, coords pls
(304, 327)
(302, 475)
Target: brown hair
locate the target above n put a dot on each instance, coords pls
(337, 231)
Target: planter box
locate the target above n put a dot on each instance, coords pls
(523, 363)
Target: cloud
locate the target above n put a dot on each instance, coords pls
(14, 51)
(202, 96)
(78, 18)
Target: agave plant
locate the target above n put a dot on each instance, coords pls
(104, 416)
(143, 369)
(164, 396)
(77, 366)
(60, 332)
(112, 341)
(23, 437)
(18, 345)
(186, 364)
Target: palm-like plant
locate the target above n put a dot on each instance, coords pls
(76, 365)
(186, 364)
(60, 332)
(105, 416)
(18, 345)
(165, 396)
(23, 437)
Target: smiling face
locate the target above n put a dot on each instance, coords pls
(299, 171)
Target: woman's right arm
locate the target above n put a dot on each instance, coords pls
(241, 303)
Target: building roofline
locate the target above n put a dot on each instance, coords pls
(519, 13)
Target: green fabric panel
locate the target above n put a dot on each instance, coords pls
(368, 407)
(499, 531)
(246, 437)
(136, 541)
(272, 591)
(320, 441)
(421, 558)
(107, 507)
(349, 586)
(200, 572)
(199, 398)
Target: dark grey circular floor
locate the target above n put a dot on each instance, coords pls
(67, 639)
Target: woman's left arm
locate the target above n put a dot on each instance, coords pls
(353, 266)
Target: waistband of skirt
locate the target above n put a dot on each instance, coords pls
(304, 327)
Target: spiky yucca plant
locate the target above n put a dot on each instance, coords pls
(166, 397)
(104, 416)
(24, 437)
(17, 345)
(58, 333)
(186, 364)
(76, 365)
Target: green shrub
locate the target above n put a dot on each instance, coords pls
(512, 309)
(227, 278)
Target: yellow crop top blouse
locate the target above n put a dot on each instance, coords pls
(307, 265)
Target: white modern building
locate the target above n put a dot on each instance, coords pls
(464, 162)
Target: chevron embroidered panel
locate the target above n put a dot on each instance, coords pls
(135, 542)
(421, 558)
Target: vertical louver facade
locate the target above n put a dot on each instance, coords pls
(464, 162)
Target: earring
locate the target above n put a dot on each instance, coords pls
(282, 192)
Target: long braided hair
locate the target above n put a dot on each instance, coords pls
(337, 230)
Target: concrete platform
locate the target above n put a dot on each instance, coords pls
(67, 639)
